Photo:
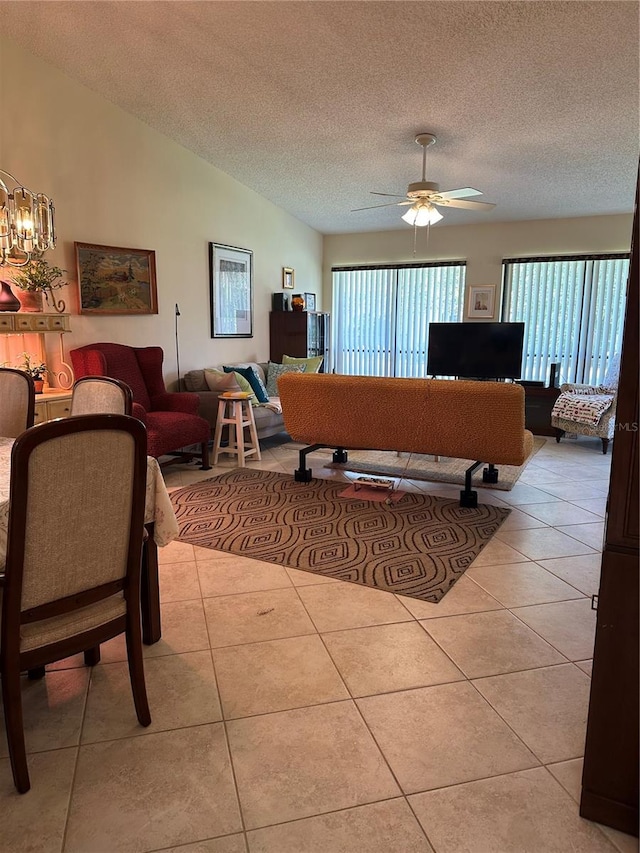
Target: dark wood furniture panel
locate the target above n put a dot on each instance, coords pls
(300, 334)
(538, 402)
(610, 775)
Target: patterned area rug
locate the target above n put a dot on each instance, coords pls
(418, 466)
(418, 547)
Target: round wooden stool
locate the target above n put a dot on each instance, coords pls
(234, 410)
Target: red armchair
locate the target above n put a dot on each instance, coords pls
(170, 418)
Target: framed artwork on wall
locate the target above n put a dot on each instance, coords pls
(287, 278)
(113, 280)
(482, 301)
(231, 284)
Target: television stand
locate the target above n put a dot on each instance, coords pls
(538, 403)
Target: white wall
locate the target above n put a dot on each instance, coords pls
(117, 182)
(482, 245)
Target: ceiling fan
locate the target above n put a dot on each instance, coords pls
(422, 197)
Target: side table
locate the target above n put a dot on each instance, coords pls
(234, 410)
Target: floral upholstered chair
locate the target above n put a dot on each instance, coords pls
(588, 409)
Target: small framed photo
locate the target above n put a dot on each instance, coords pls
(482, 301)
(113, 280)
(309, 301)
(287, 278)
(231, 280)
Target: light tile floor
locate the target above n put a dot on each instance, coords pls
(296, 714)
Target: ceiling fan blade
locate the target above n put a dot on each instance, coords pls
(391, 195)
(390, 204)
(463, 193)
(466, 205)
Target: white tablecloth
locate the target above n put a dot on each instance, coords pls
(158, 508)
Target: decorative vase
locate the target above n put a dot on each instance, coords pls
(297, 303)
(30, 300)
(38, 385)
(8, 299)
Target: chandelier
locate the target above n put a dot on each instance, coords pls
(26, 223)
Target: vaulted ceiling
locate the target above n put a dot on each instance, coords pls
(315, 104)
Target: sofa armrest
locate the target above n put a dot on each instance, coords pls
(178, 401)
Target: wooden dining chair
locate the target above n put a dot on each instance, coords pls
(68, 592)
(94, 395)
(18, 397)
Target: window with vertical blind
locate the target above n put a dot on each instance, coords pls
(573, 311)
(381, 315)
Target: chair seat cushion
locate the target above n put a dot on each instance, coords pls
(167, 431)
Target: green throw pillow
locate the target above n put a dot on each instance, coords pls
(311, 365)
(274, 373)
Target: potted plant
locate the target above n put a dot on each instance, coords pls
(37, 371)
(36, 278)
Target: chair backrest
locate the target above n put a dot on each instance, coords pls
(117, 361)
(17, 402)
(70, 548)
(613, 373)
(94, 395)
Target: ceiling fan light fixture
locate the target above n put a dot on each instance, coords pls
(422, 214)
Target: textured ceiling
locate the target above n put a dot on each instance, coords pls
(314, 104)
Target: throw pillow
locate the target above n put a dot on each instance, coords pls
(311, 365)
(218, 380)
(274, 373)
(257, 385)
(244, 386)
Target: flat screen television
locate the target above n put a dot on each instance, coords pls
(475, 350)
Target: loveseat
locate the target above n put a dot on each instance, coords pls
(268, 421)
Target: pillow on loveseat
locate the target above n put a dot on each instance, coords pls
(311, 365)
(275, 371)
(218, 380)
(256, 383)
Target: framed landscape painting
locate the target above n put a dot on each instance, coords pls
(231, 280)
(113, 280)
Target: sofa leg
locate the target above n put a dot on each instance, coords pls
(605, 445)
(559, 434)
(490, 474)
(302, 474)
(340, 455)
(468, 497)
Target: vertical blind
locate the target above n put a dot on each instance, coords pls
(381, 316)
(573, 311)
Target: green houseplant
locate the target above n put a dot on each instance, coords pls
(36, 370)
(36, 278)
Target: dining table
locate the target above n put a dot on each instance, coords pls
(160, 522)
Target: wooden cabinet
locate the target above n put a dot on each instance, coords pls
(52, 404)
(300, 334)
(538, 403)
(41, 324)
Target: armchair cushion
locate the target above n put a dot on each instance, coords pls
(175, 402)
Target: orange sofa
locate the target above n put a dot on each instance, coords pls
(461, 419)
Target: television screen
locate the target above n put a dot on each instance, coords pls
(475, 350)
